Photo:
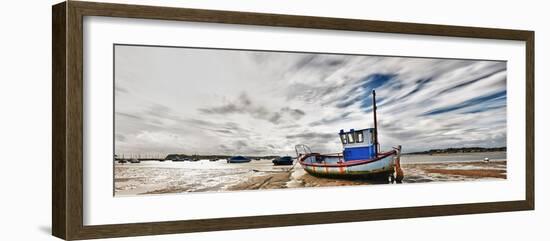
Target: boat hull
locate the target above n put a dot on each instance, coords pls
(334, 166)
(282, 163)
(238, 161)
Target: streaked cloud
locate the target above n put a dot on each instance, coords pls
(249, 102)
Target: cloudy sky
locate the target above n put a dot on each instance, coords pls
(204, 101)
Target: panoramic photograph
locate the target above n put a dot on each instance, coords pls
(190, 120)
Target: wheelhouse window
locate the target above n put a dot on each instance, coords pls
(343, 139)
(359, 137)
(350, 138)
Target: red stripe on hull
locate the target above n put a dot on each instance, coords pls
(343, 164)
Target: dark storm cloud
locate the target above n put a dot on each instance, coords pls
(420, 84)
(244, 105)
(290, 126)
(311, 135)
(312, 94)
(161, 111)
(240, 144)
(224, 131)
(240, 105)
(129, 115)
(295, 113)
(275, 118)
(120, 137)
(328, 121)
(319, 62)
(303, 62)
(394, 130)
(202, 122)
(230, 129)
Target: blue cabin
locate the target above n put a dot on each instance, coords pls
(358, 144)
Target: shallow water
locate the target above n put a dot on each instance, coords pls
(455, 157)
(203, 175)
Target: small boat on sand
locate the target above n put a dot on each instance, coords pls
(172, 157)
(238, 159)
(361, 156)
(180, 159)
(285, 160)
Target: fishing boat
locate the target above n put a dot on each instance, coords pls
(361, 156)
(285, 160)
(238, 159)
(172, 157)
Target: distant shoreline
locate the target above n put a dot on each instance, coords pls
(457, 150)
(429, 152)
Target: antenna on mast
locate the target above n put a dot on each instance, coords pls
(375, 122)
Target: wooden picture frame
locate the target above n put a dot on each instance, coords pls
(67, 124)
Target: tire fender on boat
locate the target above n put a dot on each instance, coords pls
(399, 175)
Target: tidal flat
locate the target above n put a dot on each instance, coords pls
(153, 177)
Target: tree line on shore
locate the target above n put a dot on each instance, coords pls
(210, 157)
(459, 150)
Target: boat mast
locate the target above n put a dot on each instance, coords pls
(375, 124)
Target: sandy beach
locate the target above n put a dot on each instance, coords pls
(205, 176)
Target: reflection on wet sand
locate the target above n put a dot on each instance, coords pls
(206, 176)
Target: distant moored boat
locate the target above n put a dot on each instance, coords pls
(238, 159)
(179, 158)
(285, 160)
(133, 160)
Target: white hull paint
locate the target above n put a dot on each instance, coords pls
(383, 165)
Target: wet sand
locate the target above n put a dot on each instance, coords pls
(204, 176)
(454, 171)
(268, 181)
